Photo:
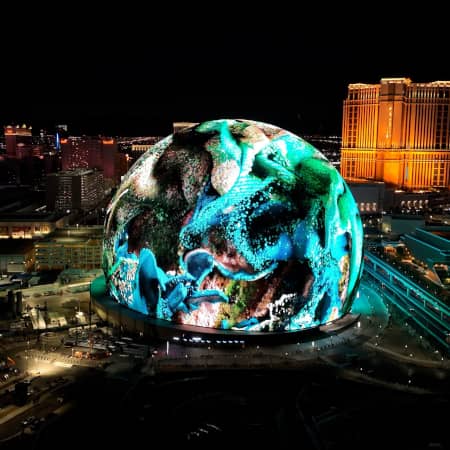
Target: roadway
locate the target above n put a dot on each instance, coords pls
(371, 351)
(429, 313)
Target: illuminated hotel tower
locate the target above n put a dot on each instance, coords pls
(397, 132)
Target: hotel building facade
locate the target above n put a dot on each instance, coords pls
(397, 132)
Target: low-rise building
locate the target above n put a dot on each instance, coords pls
(369, 196)
(29, 225)
(72, 247)
(16, 256)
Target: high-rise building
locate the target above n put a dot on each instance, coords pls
(80, 189)
(74, 153)
(18, 141)
(140, 148)
(91, 153)
(61, 133)
(142, 145)
(108, 159)
(397, 132)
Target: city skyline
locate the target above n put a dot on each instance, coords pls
(129, 77)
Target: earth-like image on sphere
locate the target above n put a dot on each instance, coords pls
(234, 224)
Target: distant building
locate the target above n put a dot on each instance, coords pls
(178, 126)
(92, 153)
(24, 171)
(74, 247)
(80, 189)
(123, 163)
(368, 196)
(23, 162)
(74, 153)
(108, 161)
(397, 132)
(61, 133)
(16, 256)
(52, 163)
(62, 128)
(408, 202)
(29, 225)
(18, 141)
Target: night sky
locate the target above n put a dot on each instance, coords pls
(133, 73)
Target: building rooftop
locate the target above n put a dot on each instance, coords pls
(15, 246)
(361, 181)
(71, 173)
(74, 235)
(419, 217)
(30, 217)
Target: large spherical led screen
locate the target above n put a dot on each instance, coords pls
(234, 224)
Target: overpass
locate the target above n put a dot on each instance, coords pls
(429, 313)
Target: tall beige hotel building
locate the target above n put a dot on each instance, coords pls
(397, 132)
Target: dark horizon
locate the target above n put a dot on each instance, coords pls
(128, 119)
(121, 75)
